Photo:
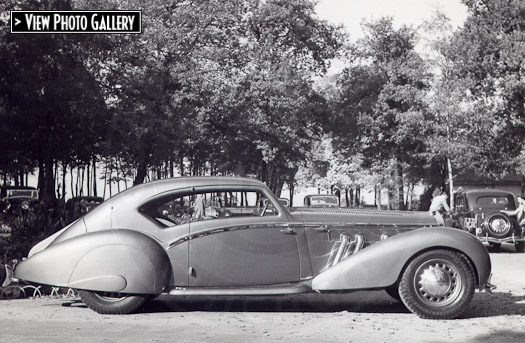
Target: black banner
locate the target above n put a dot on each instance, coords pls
(76, 22)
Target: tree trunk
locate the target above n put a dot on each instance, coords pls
(88, 178)
(64, 172)
(94, 175)
(399, 187)
(451, 182)
(142, 172)
(292, 190)
(46, 181)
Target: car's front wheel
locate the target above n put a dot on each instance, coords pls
(109, 303)
(438, 284)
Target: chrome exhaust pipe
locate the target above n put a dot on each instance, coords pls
(359, 242)
(342, 247)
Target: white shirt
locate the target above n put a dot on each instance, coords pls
(439, 202)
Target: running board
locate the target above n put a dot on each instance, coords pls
(261, 290)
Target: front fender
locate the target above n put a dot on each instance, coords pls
(108, 261)
(381, 264)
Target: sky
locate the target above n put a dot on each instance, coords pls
(350, 13)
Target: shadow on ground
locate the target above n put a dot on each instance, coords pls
(500, 304)
(482, 306)
(366, 302)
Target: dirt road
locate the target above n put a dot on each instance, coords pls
(355, 317)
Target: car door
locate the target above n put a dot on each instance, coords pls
(255, 247)
(167, 217)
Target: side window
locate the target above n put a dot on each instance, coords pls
(231, 203)
(183, 208)
(174, 209)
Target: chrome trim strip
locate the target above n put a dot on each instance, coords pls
(230, 228)
(270, 290)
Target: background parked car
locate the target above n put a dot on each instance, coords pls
(321, 200)
(76, 207)
(284, 201)
(479, 212)
(15, 202)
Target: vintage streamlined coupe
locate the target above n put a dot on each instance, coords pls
(210, 236)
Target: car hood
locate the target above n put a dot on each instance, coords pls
(362, 216)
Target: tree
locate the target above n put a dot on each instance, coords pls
(488, 54)
(53, 108)
(382, 102)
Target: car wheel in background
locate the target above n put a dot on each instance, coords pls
(438, 284)
(109, 303)
(498, 225)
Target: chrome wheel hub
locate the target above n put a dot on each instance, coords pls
(499, 226)
(437, 283)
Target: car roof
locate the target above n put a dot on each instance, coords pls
(487, 191)
(320, 195)
(149, 189)
(86, 197)
(19, 187)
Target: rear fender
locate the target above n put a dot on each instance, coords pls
(122, 261)
(381, 264)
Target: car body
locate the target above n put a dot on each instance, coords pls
(321, 200)
(478, 211)
(15, 202)
(129, 249)
(285, 202)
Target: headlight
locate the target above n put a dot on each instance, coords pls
(25, 205)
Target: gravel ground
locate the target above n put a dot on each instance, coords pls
(356, 317)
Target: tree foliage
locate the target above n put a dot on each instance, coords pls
(488, 55)
(382, 101)
(209, 87)
(230, 88)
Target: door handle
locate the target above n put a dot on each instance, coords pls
(288, 231)
(322, 228)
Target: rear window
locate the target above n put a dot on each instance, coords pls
(321, 200)
(495, 202)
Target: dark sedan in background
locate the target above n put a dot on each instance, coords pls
(479, 211)
(15, 203)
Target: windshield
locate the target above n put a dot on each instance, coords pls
(11, 193)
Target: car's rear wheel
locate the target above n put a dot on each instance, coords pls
(520, 247)
(111, 303)
(438, 284)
